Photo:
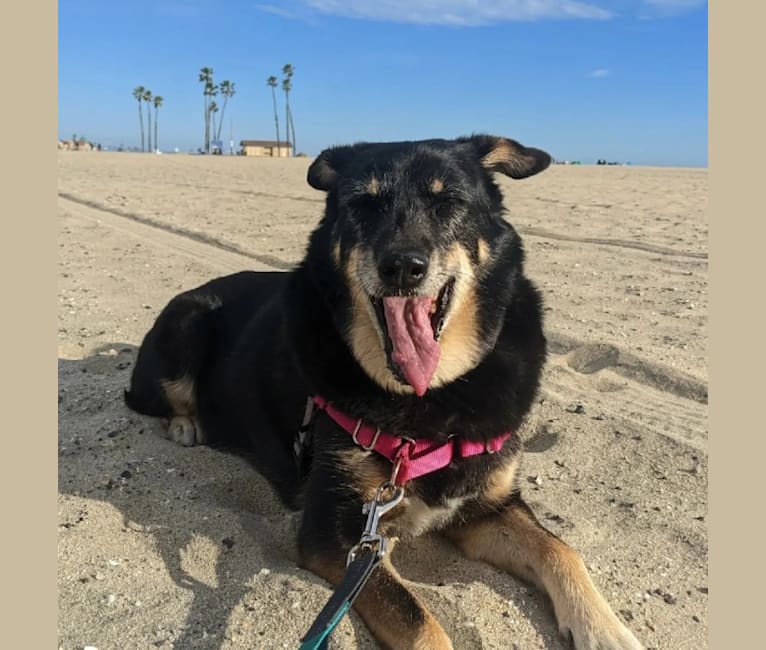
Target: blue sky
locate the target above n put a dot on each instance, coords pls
(624, 80)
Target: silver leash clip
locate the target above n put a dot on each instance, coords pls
(374, 510)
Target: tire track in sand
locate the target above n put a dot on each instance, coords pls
(617, 243)
(642, 406)
(188, 242)
(522, 230)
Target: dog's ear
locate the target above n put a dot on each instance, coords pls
(508, 156)
(327, 168)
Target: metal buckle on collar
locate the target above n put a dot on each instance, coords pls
(374, 438)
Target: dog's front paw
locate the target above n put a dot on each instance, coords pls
(599, 630)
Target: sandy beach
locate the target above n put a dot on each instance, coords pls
(168, 547)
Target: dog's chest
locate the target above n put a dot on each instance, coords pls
(417, 517)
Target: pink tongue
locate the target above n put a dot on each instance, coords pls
(415, 350)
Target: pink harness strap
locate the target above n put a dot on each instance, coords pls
(414, 457)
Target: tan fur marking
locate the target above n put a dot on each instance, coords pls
(505, 153)
(336, 255)
(365, 337)
(437, 185)
(461, 348)
(514, 541)
(373, 186)
(180, 395)
(483, 251)
(414, 516)
(432, 636)
(410, 518)
(502, 153)
(501, 481)
(386, 607)
(365, 469)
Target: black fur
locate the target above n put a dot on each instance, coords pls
(257, 344)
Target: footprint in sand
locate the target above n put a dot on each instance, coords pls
(592, 357)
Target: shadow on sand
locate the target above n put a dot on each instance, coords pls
(175, 496)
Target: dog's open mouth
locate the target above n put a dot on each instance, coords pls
(412, 326)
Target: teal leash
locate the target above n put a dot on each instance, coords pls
(361, 562)
(340, 602)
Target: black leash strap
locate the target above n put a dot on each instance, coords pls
(360, 563)
(357, 573)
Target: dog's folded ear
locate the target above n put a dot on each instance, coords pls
(508, 156)
(327, 168)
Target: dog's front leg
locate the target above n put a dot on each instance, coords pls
(515, 541)
(394, 615)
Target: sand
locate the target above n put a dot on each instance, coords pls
(169, 547)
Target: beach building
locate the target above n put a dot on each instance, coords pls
(267, 148)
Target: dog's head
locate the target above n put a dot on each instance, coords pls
(416, 230)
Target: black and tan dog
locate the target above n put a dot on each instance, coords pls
(411, 312)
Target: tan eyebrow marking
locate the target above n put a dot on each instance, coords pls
(373, 186)
(437, 185)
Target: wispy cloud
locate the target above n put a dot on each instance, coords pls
(599, 73)
(471, 13)
(677, 5)
(277, 11)
(297, 12)
(659, 8)
(459, 12)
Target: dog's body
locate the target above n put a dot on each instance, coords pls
(410, 311)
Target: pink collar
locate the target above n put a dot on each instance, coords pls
(411, 458)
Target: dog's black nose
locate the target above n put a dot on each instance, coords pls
(403, 269)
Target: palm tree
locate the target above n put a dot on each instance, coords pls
(157, 103)
(211, 90)
(272, 83)
(292, 128)
(227, 90)
(148, 99)
(138, 93)
(287, 86)
(206, 77)
(213, 108)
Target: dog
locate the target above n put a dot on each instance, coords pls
(410, 314)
